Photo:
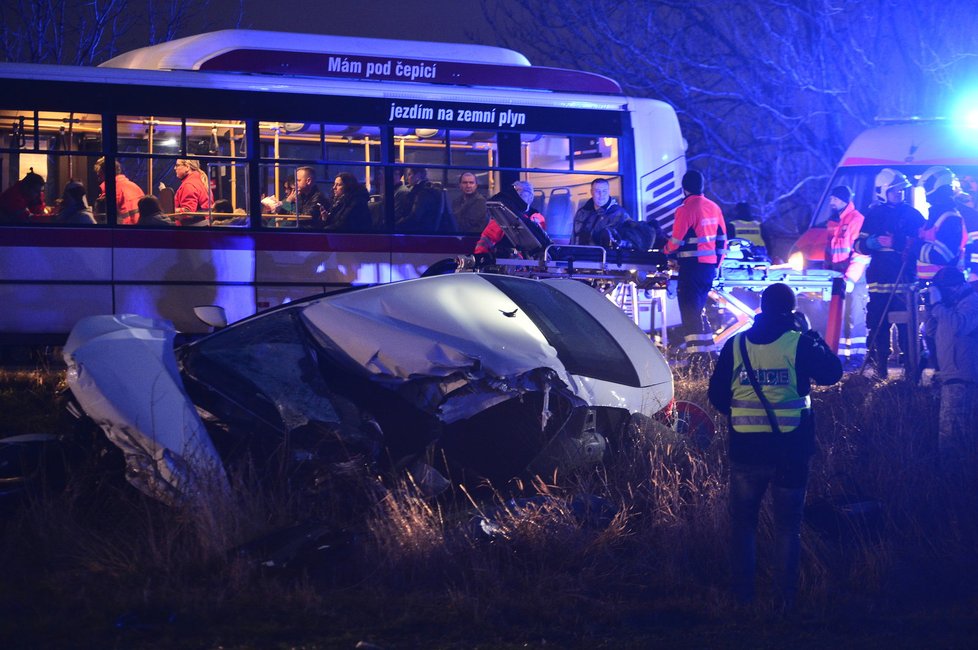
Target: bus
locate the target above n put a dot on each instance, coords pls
(252, 108)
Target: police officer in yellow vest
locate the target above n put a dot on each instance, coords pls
(762, 382)
(745, 225)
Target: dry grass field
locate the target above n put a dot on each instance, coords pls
(629, 554)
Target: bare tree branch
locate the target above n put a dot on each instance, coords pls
(768, 92)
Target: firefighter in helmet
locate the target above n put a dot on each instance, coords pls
(944, 236)
(888, 236)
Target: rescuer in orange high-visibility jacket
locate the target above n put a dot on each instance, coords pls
(840, 255)
(698, 242)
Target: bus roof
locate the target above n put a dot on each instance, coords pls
(936, 142)
(318, 55)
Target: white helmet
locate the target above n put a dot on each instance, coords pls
(889, 179)
(936, 177)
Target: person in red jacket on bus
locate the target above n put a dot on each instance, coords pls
(698, 242)
(127, 193)
(194, 194)
(24, 200)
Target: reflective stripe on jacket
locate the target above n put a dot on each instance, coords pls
(841, 243)
(699, 231)
(774, 366)
(936, 254)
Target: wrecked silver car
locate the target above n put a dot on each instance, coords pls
(500, 376)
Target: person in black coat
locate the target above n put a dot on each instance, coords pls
(423, 207)
(349, 211)
(770, 447)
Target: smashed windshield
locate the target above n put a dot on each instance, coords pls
(267, 359)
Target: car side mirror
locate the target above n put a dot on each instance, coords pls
(213, 315)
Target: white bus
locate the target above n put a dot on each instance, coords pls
(252, 107)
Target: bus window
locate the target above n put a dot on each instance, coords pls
(473, 149)
(599, 155)
(291, 141)
(70, 131)
(422, 148)
(19, 130)
(283, 207)
(229, 186)
(561, 195)
(545, 151)
(352, 143)
(50, 131)
(50, 144)
(150, 134)
(225, 138)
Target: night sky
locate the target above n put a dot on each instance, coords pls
(433, 20)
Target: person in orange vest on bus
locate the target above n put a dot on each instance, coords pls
(698, 242)
(127, 193)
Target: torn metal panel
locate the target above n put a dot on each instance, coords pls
(424, 328)
(459, 344)
(122, 371)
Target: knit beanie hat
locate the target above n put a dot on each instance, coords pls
(778, 299)
(693, 182)
(842, 193)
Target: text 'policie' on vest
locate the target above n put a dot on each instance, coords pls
(774, 366)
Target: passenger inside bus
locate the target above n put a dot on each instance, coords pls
(600, 220)
(420, 206)
(194, 194)
(73, 207)
(525, 190)
(151, 213)
(24, 200)
(469, 207)
(493, 239)
(348, 211)
(309, 202)
(127, 193)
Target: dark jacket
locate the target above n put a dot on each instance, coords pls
(815, 362)
(599, 226)
(313, 205)
(970, 217)
(901, 221)
(153, 221)
(75, 214)
(349, 213)
(470, 213)
(423, 208)
(953, 324)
